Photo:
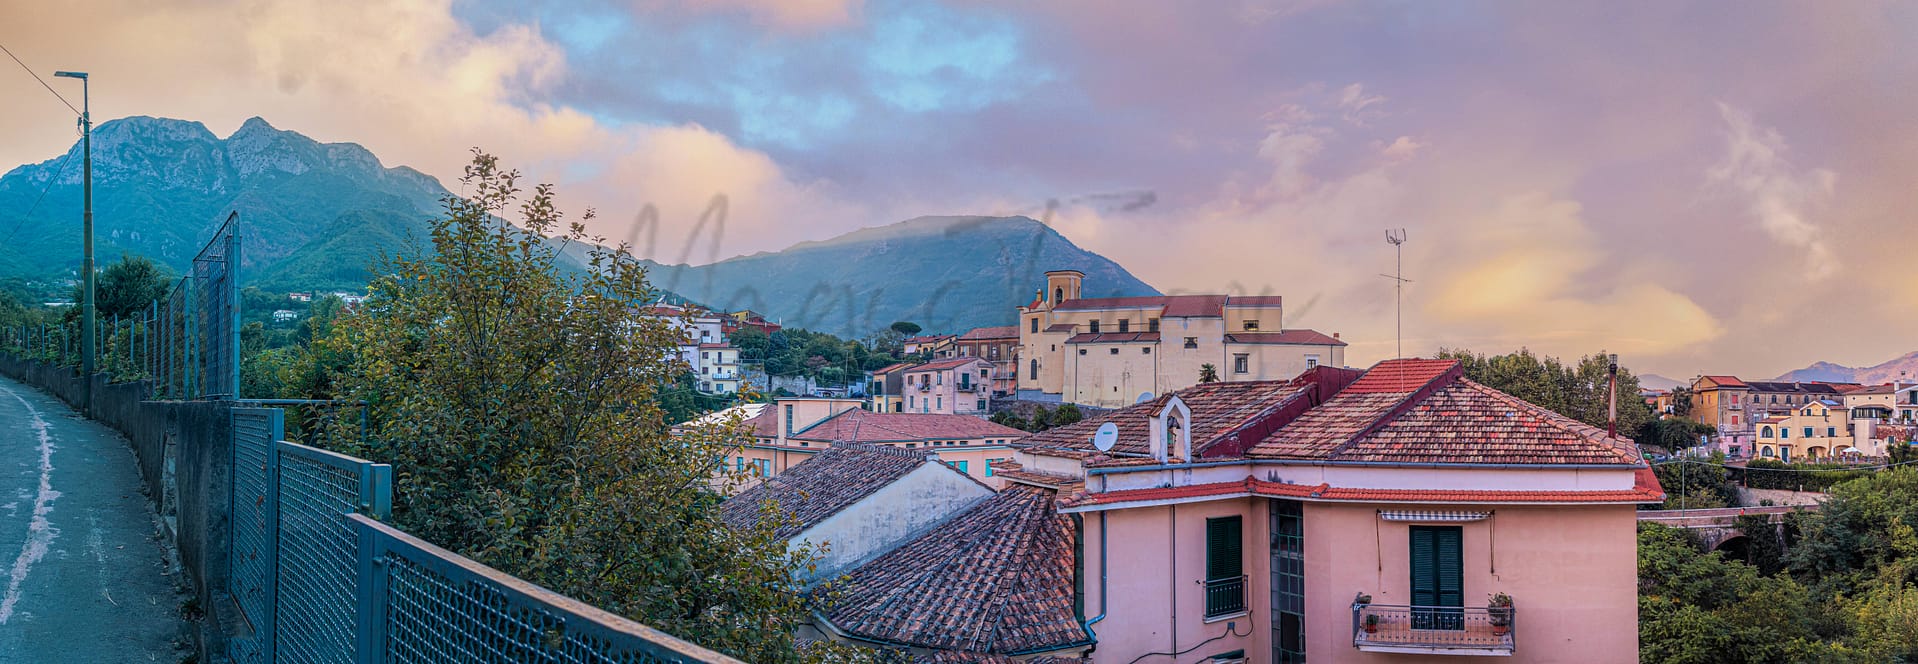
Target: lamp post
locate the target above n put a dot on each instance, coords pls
(86, 263)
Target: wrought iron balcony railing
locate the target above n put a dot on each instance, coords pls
(1459, 630)
(1224, 597)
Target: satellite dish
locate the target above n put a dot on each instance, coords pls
(1107, 435)
(1144, 397)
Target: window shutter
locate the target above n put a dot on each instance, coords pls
(1424, 567)
(1222, 548)
(1451, 567)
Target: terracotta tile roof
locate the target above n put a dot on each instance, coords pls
(765, 424)
(1012, 471)
(1425, 411)
(1794, 388)
(1645, 489)
(1220, 411)
(1086, 303)
(1193, 306)
(927, 338)
(1726, 381)
(859, 425)
(1886, 388)
(1254, 301)
(953, 657)
(893, 367)
(1302, 337)
(1059, 327)
(951, 363)
(996, 332)
(995, 579)
(1113, 337)
(1773, 419)
(822, 485)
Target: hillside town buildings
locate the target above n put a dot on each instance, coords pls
(1796, 421)
(795, 429)
(1338, 515)
(1000, 346)
(1113, 352)
(956, 386)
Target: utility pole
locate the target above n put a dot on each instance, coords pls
(86, 264)
(1397, 240)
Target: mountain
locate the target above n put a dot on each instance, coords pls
(311, 213)
(948, 274)
(1902, 368)
(1657, 382)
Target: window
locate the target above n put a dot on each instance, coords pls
(1438, 578)
(1058, 295)
(959, 465)
(1082, 351)
(989, 463)
(1093, 327)
(789, 419)
(1146, 350)
(1151, 324)
(1288, 582)
(1808, 432)
(1224, 569)
(1191, 342)
(1034, 373)
(1831, 432)
(765, 467)
(1115, 350)
(984, 374)
(939, 403)
(939, 379)
(702, 354)
(1035, 323)
(1241, 363)
(1783, 432)
(1311, 361)
(980, 405)
(1252, 326)
(1764, 432)
(1125, 325)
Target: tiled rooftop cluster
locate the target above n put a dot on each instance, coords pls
(822, 486)
(1217, 409)
(995, 579)
(863, 426)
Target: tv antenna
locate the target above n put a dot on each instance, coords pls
(1397, 240)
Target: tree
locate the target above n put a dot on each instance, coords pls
(1208, 373)
(1011, 419)
(1682, 401)
(126, 286)
(1067, 413)
(906, 328)
(1580, 392)
(518, 402)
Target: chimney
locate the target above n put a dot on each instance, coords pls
(1611, 416)
(1335, 335)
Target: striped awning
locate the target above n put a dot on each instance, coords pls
(1433, 516)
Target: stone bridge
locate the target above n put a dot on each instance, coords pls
(1718, 529)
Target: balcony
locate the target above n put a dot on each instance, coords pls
(1432, 630)
(1224, 597)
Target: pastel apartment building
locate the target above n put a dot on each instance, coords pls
(1000, 346)
(935, 346)
(886, 388)
(1340, 517)
(956, 386)
(718, 368)
(1895, 402)
(794, 429)
(1113, 352)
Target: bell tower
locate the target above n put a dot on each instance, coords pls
(1062, 285)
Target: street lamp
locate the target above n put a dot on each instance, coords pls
(86, 264)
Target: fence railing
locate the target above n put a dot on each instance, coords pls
(320, 580)
(1224, 596)
(1403, 628)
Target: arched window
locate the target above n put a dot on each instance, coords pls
(1766, 452)
(1765, 432)
(1058, 295)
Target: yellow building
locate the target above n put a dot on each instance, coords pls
(1116, 351)
(1817, 430)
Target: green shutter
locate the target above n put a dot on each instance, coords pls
(1222, 548)
(1451, 567)
(1424, 567)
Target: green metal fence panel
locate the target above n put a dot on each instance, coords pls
(319, 549)
(254, 498)
(432, 606)
(216, 272)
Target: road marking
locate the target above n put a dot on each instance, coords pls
(40, 533)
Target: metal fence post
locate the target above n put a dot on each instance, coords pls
(369, 640)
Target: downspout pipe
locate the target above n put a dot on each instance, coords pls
(1102, 586)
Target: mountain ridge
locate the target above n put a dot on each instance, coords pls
(1903, 367)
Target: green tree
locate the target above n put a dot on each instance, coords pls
(1579, 391)
(1067, 413)
(518, 403)
(1208, 373)
(1698, 607)
(124, 287)
(907, 328)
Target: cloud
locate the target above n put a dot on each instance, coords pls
(783, 14)
(1776, 194)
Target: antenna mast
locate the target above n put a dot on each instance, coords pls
(1397, 240)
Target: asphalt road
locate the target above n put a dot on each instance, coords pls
(85, 577)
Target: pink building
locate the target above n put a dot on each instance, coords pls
(1347, 517)
(793, 429)
(956, 386)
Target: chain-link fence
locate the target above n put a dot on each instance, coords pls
(321, 580)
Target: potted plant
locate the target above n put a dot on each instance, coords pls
(1499, 609)
(1362, 600)
(1371, 623)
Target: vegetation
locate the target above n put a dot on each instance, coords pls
(1578, 391)
(519, 405)
(1208, 373)
(1846, 590)
(1042, 418)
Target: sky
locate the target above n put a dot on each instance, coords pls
(1722, 187)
